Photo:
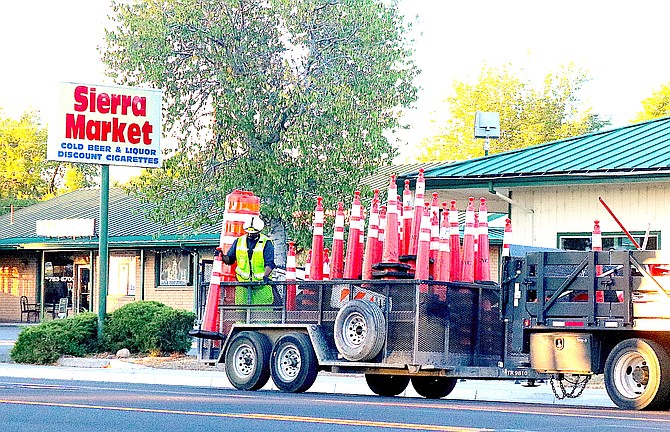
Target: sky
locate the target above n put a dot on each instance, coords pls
(620, 44)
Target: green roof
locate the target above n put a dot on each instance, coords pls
(127, 224)
(637, 152)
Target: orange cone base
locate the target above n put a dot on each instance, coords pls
(390, 265)
(204, 334)
(390, 274)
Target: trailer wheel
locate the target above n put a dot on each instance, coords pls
(247, 360)
(637, 375)
(433, 387)
(387, 385)
(360, 330)
(293, 364)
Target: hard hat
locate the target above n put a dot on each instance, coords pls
(254, 225)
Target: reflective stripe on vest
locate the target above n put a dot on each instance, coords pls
(257, 265)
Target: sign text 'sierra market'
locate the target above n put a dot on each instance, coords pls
(87, 100)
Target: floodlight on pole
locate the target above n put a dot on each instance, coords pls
(487, 126)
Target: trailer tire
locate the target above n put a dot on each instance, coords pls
(360, 330)
(637, 375)
(247, 360)
(387, 385)
(432, 387)
(293, 363)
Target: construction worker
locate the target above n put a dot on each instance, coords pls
(255, 256)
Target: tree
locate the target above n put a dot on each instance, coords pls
(528, 116)
(25, 174)
(286, 99)
(655, 106)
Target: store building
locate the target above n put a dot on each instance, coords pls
(49, 251)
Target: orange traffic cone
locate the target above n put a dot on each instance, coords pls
(467, 266)
(422, 271)
(316, 269)
(390, 251)
(454, 243)
(337, 262)
(434, 241)
(350, 265)
(209, 328)
(361, 241)
(419, 193)
(308, 264)
(407, 215)
(483, 242)
(507, 238)
(475, 262)
(381, 234)
(400, 222)
(371, 244)
(290, 276)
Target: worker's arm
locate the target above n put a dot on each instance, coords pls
(269, 259)
(229, 257)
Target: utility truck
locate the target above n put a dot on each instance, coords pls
(559, 316)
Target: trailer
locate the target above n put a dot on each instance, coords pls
(559, 316)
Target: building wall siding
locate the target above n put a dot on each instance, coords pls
(574, 209)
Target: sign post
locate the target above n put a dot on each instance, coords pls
(106, 125)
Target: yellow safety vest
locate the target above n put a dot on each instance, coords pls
(246, 271)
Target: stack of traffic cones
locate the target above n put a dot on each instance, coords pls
(351, 267)
(390, 266)
(484, 264)
(467, 266)
(597, 243)
(454, 243)
(326, 264)
(337, 262)
(372, 241)
(316, 268)
(407, 214)
(419, 194)
(434, 239)
(422, 271)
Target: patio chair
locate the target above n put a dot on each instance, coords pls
(29, 309)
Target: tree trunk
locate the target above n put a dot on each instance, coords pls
(278, 236)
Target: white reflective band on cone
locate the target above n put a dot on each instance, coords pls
(318, 230)
(424, 235)
(217, 266)
(318, 217)
(215, 279)
(290, 261)
(338, 235)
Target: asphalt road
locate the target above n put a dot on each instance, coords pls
(30, 405)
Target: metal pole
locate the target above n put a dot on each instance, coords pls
(103, 248)
(616, 219)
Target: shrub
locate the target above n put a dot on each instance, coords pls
(149, 326)
(131, 326)
(46, 342)
(171, 328)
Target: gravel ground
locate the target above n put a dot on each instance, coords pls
(179, 362)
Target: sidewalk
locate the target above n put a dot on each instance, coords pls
(124, 372)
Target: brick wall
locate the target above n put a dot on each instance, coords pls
(17, 278)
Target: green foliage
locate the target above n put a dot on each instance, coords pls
(25, 174)
(131, 326)
(45, 343)
(171, 327)
(655, 106)
(528, 115)
(148, 326)
(290, 102)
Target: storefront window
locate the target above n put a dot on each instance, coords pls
(611, 241)
(58, 278)
(175, 268)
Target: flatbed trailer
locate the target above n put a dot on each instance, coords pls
(556, 316)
